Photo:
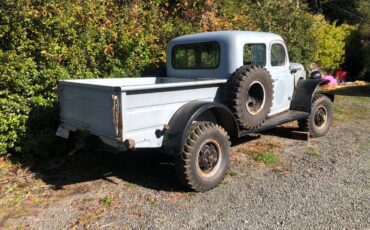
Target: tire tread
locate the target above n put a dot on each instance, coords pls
(184, 161)
(305, 124)
(233, 93)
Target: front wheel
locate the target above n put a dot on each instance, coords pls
(204, 159)
(321, 117)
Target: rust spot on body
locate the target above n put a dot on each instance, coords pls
(130, 143)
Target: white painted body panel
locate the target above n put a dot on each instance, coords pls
(146, 112)
(147, 104)
(283, 81)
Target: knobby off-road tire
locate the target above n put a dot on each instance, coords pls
(204, 159)
(249, 94)
(320, 118)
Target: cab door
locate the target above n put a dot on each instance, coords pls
(283, 80)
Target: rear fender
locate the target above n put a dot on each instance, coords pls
(303, 95)
(182, 120)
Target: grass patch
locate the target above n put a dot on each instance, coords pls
(351, 103)
(274, 144)
(153, 201)
(106, 201)
(365, 144)
(232, 173)
(267, 158)
(262, 151)
(351, 108)
(88, 199)
(313, 151)
(255, 147)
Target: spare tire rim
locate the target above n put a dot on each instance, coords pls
(256, 98)
(209, 158)
(321, 116)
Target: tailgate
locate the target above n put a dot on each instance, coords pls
(90, 108)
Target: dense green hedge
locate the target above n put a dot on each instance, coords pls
(44, 41)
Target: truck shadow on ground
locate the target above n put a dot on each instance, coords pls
(147, 168)
(143, 167)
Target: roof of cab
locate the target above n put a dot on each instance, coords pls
(228, 36)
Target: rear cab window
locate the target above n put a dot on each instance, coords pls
(204, 55)
(254, 54)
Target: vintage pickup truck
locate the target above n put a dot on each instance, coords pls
(219, 87)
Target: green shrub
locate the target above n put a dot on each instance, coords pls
(363, 7)
(330, 42)
(13, 118)
(44, 41)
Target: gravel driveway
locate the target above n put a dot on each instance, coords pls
(322, 183)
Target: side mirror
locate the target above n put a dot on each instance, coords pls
(315, 75)
(292, 71)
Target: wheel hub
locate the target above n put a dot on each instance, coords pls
(320, 117)
(208, 157)
(255, 98)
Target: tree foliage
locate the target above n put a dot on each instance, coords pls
(330, 42)
(290, 20)
(363, 6)
(356, 13)
(42, 42)
(310, 38)
(45, 41)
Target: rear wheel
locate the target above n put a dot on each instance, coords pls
(321, 117)
(205, 156)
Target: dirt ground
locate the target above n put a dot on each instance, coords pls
(322, 183)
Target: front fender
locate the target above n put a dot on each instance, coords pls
(303, 95)
(182, 120)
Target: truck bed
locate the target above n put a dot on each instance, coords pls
(141, 83)
(129, 109)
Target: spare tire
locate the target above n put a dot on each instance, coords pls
(249, 93)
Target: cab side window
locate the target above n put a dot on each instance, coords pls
(254, 54)
(278, 55)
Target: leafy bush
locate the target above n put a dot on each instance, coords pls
(44, 41)
(330, 42)
(363, 7)
(13, 117)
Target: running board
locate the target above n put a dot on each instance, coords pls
(276, 120)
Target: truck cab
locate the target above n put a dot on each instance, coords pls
(218, 54)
